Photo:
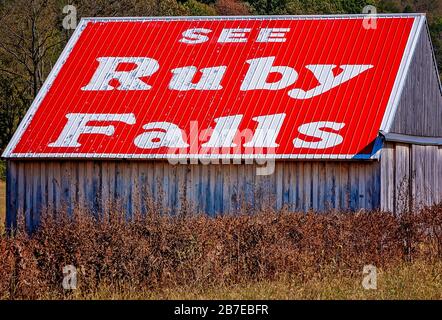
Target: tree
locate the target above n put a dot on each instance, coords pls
(436, 35)
(196, 8)
(13, 105)
(268, 6)
(29, 45)
(232, 8)
(29, 41)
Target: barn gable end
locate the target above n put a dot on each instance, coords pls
(419, 112)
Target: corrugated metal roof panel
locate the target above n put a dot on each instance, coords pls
(216, 87)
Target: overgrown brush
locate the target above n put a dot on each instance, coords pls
(156, 252)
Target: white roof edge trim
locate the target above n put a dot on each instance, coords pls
(396, 92)
(255, 17)
(44, 89)
(405, 138)
(114, 156)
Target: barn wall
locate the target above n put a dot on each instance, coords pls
(212, 189)
(411, 176)
(420, 108)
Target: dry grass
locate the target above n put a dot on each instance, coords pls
(265, 255)
(419, 280)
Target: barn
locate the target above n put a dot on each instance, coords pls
(225, 114)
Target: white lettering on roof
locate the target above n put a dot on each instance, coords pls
(170, 135)
(234, 35)
(211, 78)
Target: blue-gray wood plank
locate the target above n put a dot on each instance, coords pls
(412, 171)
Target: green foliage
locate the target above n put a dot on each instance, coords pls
(436, 35)
(197, 8)
(13, 104)
(355, 6)
(309, 6)
(269, 6)
(314, 7)
(2, 170)
(391, 6)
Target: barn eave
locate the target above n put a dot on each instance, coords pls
(410, 139)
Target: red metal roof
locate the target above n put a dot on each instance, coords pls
(288, 87)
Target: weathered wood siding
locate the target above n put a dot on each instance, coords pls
(420, 108)
(214, 189)
(411, 176)
(406, 175)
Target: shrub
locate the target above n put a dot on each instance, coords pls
(161, 251)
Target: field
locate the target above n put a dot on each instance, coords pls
(2, 204)
(270, 255)
(408, 281)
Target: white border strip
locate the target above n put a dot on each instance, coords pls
(251, 17)
(108, 156)
(82, 25)
(396, 92)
